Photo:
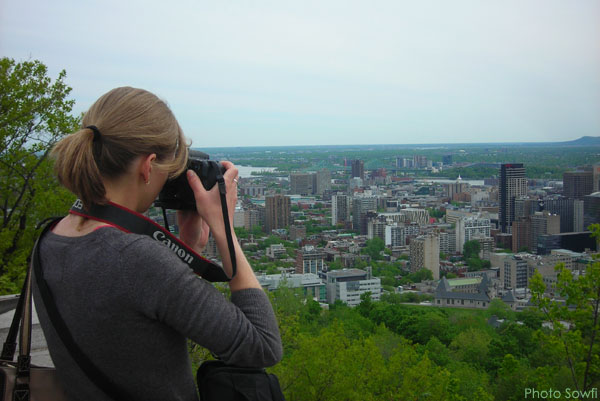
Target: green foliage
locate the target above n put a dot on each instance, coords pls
(373, 248)
(575, 322)
(34, 115)
(471, 249)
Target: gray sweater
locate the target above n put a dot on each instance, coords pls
(130, 304)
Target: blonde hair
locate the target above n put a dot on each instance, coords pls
(132, 122)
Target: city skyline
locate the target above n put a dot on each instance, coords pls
(291, 74)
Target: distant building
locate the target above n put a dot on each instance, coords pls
(311, 284)
(463, 293)
(447, 160)
(358, 169)
(591, 209)
(576, 242)
(277, 212)
(348, 285)
(513, 184)
(577, 184)
(514, 273)
(360, 207)
(297, 232)
(425, 254)
(340, 209)
(254, 217)
(276, 251)
(470, 228)
(456, 188)
(301, 183)
(322, 182)
(310, 260)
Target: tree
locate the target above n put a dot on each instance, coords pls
(34, 115)
(576, 321)
(374, 247)
(471, 249)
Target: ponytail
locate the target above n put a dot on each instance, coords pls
(76, 168)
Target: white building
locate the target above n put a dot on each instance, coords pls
(425, 254)
(348, 285)
(471, 228)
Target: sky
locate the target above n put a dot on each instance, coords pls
(330, 72)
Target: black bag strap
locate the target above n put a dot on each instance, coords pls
(10, 344)
(94, 374)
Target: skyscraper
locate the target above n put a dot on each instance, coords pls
(512, 185)
(340, 209)
(277, 212)
(301, 183)
(577, 184)
(358, 169)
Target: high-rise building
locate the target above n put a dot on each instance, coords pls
(470, 228)
(340, 209)
(521, 234)
(514, 273)
(577, 184)
(596, 177)
(358, 169)
(565, 208)
(277, 212)
(254, 217)
(360, 207)
(513, 184)
(301, 183)
(322, 182)
(425, 254)
(591, 209)
(543, 223)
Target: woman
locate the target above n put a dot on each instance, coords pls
(128, 301)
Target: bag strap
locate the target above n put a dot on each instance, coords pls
(93, 373)
(10, 344)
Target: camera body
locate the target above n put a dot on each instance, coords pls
(177, 193)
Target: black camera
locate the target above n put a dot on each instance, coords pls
(177, 193)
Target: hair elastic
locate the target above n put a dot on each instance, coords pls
(95, 130)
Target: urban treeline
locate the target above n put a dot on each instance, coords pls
(344, 239)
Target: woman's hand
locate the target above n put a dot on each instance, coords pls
(208, 203)
(193, 230)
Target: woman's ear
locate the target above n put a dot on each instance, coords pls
(146, 167)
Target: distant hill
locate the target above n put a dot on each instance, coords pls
(583, 141)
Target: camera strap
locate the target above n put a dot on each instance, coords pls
(132, 222)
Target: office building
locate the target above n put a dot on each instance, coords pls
(358, 169)
(570, 211)
(470, 228)
(277, 212)
(301, 183)
(514, 273)
(591, 209)
(577, 184)
(348, 285)
(340, 209)
(543, 223)
(513, 184)
(425, 254)
(322, 182)
(360, 207)
(311, 284)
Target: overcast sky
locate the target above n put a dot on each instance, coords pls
(330, 72)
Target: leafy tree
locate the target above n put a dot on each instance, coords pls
(575, 322)
(471, 249)
(374, 247)
(34, 115)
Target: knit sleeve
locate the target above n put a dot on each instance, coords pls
(242, 331)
